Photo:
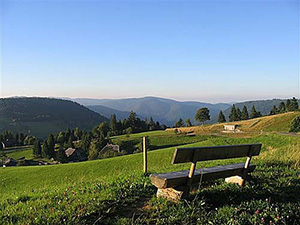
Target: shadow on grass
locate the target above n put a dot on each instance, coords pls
(275, 182)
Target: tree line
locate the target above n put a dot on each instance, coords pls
(10, 139)
(236, 114)
(201, 116)
(91, 142)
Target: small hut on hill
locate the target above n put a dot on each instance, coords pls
(230, 127)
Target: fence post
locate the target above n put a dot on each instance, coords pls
(145, 154)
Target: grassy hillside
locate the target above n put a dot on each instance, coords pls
(114, 190)
(41, 116)
(275, 123)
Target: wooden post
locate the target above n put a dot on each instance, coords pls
(191, 174)
(145, 154)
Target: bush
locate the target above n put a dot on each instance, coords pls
(295, 127)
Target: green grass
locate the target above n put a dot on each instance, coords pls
(27, 153)
(275, 123)
(110, 190)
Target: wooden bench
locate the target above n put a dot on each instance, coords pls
(177, 185)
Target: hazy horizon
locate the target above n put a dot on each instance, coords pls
(179, 100)
(196, 51)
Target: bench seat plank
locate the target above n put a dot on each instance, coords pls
(174, 179)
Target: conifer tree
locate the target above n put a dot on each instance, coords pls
(113, 125)
(274, 110)
(282, 108)
(294, 104)
(253, 113)
(51, 145)
(37, 148)
(238, 114)
(61, 155)
(179, 123)
(151, 124)
(221, 118)
(188, 122)
(233, 114)
(77, 133)
(96, 147)
(245, 114)
(45, 150)
(288, 105)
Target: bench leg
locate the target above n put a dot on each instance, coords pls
(174, 194)
(235, 180)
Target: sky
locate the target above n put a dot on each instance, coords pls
(213, 51)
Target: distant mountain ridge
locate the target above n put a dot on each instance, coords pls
(164, 110)
(168, 111)
(41, 116)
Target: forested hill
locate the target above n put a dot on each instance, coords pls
(40, 116)
(264, 106)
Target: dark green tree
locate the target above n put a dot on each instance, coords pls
(45, 150)
(51, 145)
(113, 125)
(151, 124)
(61, 137)
(85, 143)
(245, 114)
(96, 146)
(288, 105)
(274, 110)
(202, 115)
(101, 129)
(253, 113)
(295, 127)
(233, 114)
(221, 118)
(282, 108)
(70, 143)
(179, 123)
(77, 133)
(188, 122)
(61, 155)
(238, 114)
(37, 151)
(294, 104)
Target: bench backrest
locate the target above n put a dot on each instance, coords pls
(195, 154)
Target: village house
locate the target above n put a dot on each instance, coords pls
(75, 155)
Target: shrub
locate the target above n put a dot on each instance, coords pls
(295, 127)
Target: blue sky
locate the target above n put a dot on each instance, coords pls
(215, 51)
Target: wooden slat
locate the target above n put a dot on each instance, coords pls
(184, 155)
(174, 179)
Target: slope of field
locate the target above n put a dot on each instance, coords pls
(275, 123)
(25, 152)
(110, 190)
(41, 116)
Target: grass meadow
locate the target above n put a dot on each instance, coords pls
(115, 191)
